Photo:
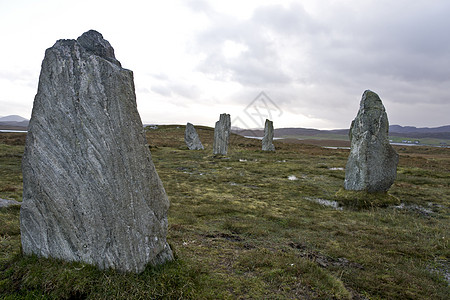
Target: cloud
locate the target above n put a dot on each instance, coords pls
(320, 62)
(21, 77)
(176, 88)
(162, 90)
(290, 21)
(314, 58)
(258, 65)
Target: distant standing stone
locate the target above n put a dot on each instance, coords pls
(191, 138)
(372, 163)
(267, 141)
(222, 135)
(90, 189)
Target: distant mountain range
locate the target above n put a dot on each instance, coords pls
(12, 118)
(442, 132)
(15, 122)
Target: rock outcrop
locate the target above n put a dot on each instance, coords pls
(372, 163)
(90, 189)
(267, 141)
(222, 132)
(191, 138)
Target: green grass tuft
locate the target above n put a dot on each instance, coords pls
(242, 230)
(363, 199)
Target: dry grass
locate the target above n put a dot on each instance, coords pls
(241, 229)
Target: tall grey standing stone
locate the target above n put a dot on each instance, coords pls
(372, 163)
(191, 138)
(90, 189)
(267, 141)
(222, 135)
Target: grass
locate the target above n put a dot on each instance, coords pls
(241, 229)
(363, 199)
(344, 137)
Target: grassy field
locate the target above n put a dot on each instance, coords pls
(344, 139)
(252, 225)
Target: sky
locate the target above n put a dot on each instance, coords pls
(300, 63)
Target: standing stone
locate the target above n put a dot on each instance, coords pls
(191, 138)
(267, 141)
(90, 189)
(372, 163)
(222, 135)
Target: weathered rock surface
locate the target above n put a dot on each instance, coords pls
(191, 138)
(90, 189)
(222, 135)
(267, 141)
(372, 163)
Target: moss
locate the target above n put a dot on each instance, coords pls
(241, 229)
(364, 199)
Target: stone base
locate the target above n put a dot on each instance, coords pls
(364, 199)
(163, 257)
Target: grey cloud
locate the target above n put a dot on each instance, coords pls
(162, 90)
(176, 88)
(292, 20)
(404, 40)
(396, 48)
(258, 65)
(400, 40)
(25, 77)
(159, 76)
(257, 73)
(199, 6)
(142, 90)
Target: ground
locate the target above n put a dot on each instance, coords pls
(242, 229)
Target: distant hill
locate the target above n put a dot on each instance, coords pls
(442, 132)
(12, 118)
(410, 129)
(13, 122)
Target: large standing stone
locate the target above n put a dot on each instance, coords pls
(267, 141)
(90, 189)
(191, 138)
(372, 163)
(222, 135)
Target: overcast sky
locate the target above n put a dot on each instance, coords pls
(193, 60)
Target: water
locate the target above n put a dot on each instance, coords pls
(335, 148)
(16, 131)
(415, 207)
(324, 202)
(260, 137)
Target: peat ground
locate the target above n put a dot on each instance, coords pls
(241, 228)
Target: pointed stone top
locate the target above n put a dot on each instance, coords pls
(93, 42)
(370, 100)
